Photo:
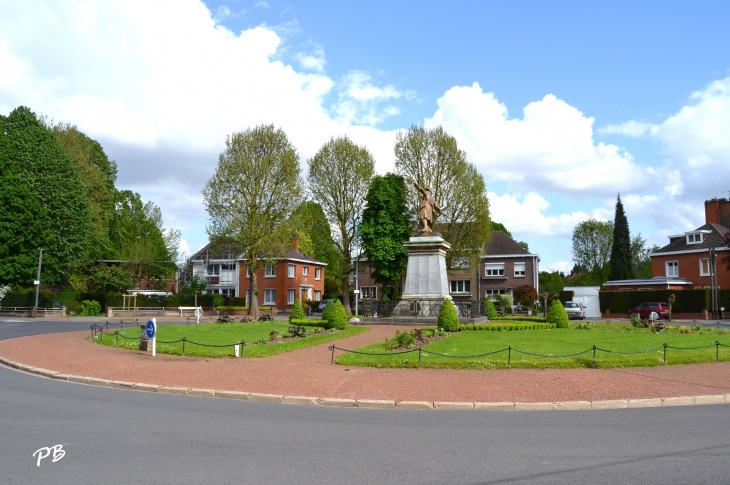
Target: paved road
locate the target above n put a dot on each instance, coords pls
(118, 436)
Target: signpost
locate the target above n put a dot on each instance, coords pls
(197, 314)
(151, 332)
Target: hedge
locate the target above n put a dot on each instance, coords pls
(311, 323)
(687, 301)
(520, 319)
(26, 298)
(507, 328)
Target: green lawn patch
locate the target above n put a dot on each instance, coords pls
(466, 349)
(255, 334)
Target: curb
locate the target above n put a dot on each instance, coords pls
(379, 404)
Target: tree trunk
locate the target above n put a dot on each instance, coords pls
(346, 294)
(253, 306)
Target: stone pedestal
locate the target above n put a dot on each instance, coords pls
(426, 277)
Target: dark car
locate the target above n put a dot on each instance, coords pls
(645, 309)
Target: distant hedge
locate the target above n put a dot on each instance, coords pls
(26, 298)
(687, 301)
(507, 328)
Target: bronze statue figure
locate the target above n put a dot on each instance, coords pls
(425, 210)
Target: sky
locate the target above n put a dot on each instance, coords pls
(561, 106)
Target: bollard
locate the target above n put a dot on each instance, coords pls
(665, 353)
(419, 356)
(594, 356)
(717, 351)
(509, 356)
(116, 337)
(184, 339)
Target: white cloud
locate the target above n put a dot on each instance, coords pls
(360, 101)
(564, 266)
(630, 128)
(314, 61)
(551, 148)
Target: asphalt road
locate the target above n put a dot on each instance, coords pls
(120, 436)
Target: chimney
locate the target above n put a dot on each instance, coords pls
(295, 243)
(717, 211)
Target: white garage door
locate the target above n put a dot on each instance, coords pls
(588, 295)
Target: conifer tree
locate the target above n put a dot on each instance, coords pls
(621, 248)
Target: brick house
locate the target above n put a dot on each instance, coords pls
(504, 266)
(294, 276)
(687, 256)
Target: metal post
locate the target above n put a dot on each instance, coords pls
(38, 283)
(509, 356)
(594, 356)
(419, 355)
(665, 353)
(717, 351)
(116, 337)
(183, 339)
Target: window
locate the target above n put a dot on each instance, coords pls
(305, 270)
(228, 292)
(461, 286)
(519, 269)
(317, 295)
(291, 271)
(704, 267)
(694, 238)
(213, 270)
(672, 268)
(269, 270)
(494, 269)
(365, 292)
(290, 296)
(490, 292)
(317, 273)
(228, 267)
(248, 272)
(269, 296)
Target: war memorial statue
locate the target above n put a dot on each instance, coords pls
(425, 210)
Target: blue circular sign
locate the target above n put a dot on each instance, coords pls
(150, 329)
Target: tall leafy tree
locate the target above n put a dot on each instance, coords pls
(621, 267)
(51, 176)
(251, 196)
(432, 159)
(640, 257)
(311, 222)
(385, 225)
(339, 177)
(23, 221)
(98, 174)
(592, 241)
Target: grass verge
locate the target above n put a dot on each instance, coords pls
(464, 350)
(228, 335)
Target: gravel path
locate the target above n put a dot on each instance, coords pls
(308, 372)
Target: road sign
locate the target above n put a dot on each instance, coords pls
(197, 312)
(151, 329)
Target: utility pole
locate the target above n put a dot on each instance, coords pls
(38, 283)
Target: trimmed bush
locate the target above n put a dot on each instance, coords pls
(90, 307)
(311, 323)
(507, 327)
(520, 319)
(26, 298)
(490, 310)
(297, 312)
(690, 301)
(448, 320)
(335, 314)
(557, 315)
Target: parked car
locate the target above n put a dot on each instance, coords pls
(323, 304)
(645, 309)
(575, 309)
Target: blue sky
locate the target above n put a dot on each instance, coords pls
(560, 105)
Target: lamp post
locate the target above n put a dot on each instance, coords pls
(196, 299)
(38, 283)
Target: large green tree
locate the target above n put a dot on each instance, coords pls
(592, 241)
(432, 159)
(251, 197)
(339, 177)
(23, 221)
(98, 174)
(51, 176)
(311, 222)
(385, 225)
(621, 267)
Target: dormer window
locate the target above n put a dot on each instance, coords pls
(694, 238)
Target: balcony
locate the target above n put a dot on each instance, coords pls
(213, 280)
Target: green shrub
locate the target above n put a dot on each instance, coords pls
(448, 320)
(90, 307)
(490, 310)
(504, 301)
(402, 340)
(297, 312)
(335, 314)
(26, 298)
(311, 323)
(557, 315)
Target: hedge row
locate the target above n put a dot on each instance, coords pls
(686, 301)
(520, 319)
(26, 298)
(507, 328)
(311, 323)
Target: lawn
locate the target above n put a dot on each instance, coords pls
(255, 334)
(464, 350)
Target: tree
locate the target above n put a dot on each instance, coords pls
(251, 196)
(592, 241)
(433, 160)
(384, 227)
(339, 177)
(50, 175)
(98, 176)
(621, 268)
(526, 294)
(108, 279)
(552, 282)
(312, 224)
(448, 320)
(23, 221)
(557, 315)
(640, 257)
(297, 312)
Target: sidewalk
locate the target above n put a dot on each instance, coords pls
(306, 377)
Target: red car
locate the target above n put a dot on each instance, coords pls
(645, 309)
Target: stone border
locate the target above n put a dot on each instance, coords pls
(379, 404)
